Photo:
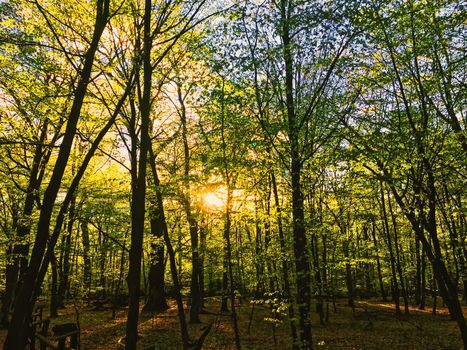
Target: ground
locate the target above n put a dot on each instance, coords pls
(373, 325)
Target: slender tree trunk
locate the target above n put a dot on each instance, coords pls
(316, 217)
(195, 297)
(86, 257)
(65, 261)
(418, 273)
(18, 330)
(395, 285)
(177, 288)
(138, 193)
(378, 263)
(434, 295)
(423, 282)
(19, 257)
(398, 259)
(202, 250)
(73, 187)
(102, 263)
(229, 265)
(433, 251)
(170, 252)
(285, 271)
(459, 250)
(11, 275)
(369, 288)
(172, 260)
(325, 276)
(117, 300)
(270, 265)
(259, 292)
(194, 289)
(319, 283)
(348, 269)
(54, 289)
(302, 263)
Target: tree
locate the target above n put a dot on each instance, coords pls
(18, 329)
(408, 114)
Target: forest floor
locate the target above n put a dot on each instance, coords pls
(373, 325)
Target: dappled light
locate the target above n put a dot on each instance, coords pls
(192, 174)
(213, 200)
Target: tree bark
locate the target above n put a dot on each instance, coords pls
(398, 259)
(138, 193)
(285, 271)
(195, 296)
(65, 257)
(156, 300)
(302, 263)
(378, 263)
(18, 330)
(86, 256)
(395, 285)
(19, 257)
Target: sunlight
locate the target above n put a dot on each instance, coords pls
(213, 200)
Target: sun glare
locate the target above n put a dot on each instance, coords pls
(213, 200)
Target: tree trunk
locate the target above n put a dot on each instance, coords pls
(348, 269)
(19, 257)
(418, 273)
(138, 193)
(86, 257)
(18, 330)
(65, 257)
(398, 259)
(156, 300)
(54, 289)
(395, 294)
(202, 250)
(195, 296)
(302, 263)
(378, 263)
(229, 266)
(259, 292)
(423, 282)
(433, 252)
(285, 272)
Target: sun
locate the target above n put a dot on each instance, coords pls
(213, 200)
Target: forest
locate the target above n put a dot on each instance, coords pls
(256, 174)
